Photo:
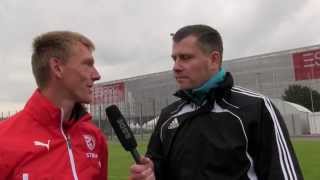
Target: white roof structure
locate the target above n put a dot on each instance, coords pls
(286, 107)
(298, 106)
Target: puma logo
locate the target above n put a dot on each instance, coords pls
(39, 143)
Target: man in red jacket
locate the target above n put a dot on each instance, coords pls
(53, 136)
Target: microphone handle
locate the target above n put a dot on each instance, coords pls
(136, 156)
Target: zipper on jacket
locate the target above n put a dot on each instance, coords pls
(25, 176)
(69, 142)
(69, 147)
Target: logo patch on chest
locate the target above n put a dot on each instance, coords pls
(90, 141)
(174, 124)
(42, 144)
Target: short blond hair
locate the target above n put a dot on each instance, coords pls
(57, 44)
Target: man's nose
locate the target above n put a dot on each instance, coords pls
(95, 75)
(177, 66)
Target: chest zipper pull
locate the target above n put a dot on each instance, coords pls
(25, 176)
(69, 141)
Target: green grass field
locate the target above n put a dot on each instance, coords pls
(120, 160)
(308, 152)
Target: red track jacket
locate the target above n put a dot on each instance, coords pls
(36, 145)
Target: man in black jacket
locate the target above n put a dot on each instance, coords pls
(216, 130)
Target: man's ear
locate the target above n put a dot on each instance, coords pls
(215, 60)
(55, 65)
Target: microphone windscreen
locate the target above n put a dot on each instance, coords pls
(121, 128)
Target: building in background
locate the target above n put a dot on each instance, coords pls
(272, 73)
(141, 98)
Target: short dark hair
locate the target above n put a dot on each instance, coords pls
(209, 39)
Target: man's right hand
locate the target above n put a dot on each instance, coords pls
(143, 171)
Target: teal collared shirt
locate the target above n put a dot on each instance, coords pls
(199, 94)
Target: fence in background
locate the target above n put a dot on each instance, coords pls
(142, 120)
(5, 115)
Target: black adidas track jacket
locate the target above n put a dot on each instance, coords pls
(236, 135)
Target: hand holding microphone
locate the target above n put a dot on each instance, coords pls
(143, 171)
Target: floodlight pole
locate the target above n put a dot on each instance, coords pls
(311, 96)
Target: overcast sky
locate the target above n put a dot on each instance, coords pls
(133, 37)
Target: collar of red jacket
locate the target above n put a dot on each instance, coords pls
(44, 111)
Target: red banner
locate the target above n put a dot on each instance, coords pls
(307, 65)
(109, 93)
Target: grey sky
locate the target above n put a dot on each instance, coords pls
(133, 37)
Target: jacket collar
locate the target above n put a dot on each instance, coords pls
(223, 89)
(47, 114)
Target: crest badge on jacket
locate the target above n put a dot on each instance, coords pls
(90, 141)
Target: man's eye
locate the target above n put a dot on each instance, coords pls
(185, 57)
